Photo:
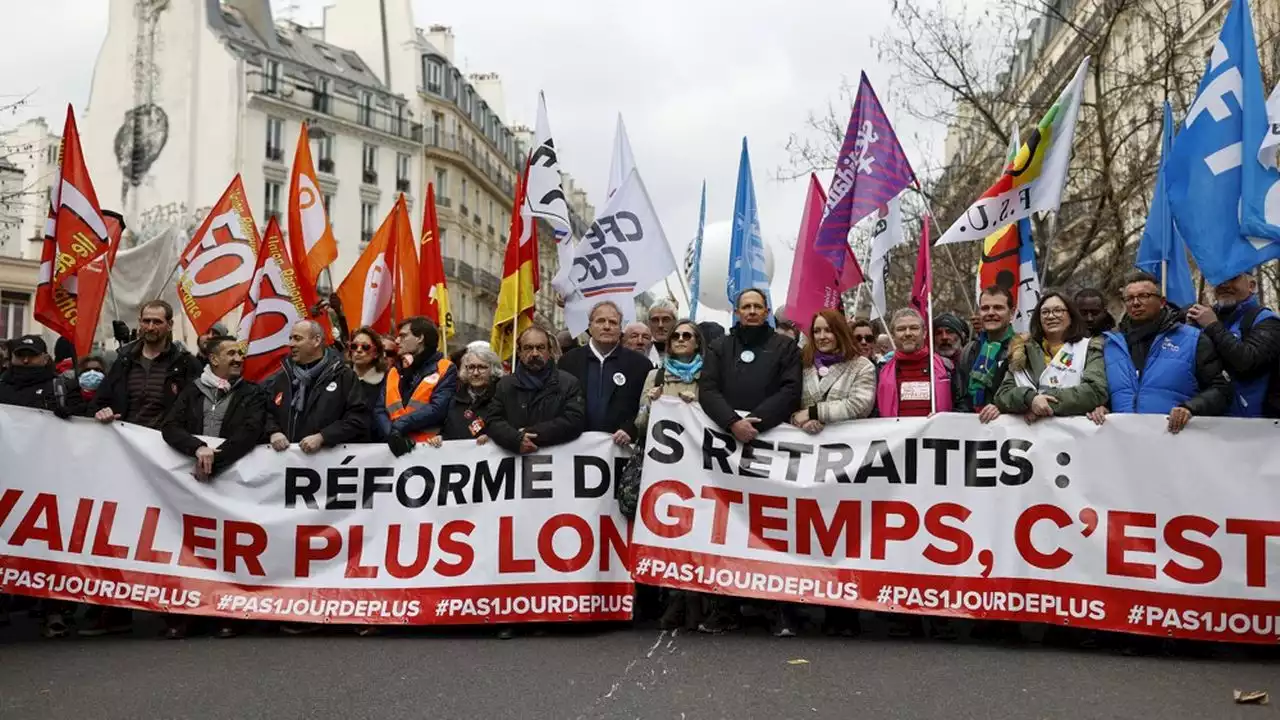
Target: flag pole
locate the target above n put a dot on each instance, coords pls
(933, 398)
(934, 219)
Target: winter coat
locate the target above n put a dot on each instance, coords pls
(1025, 354)
(242, 425)
(431, 415)
(623, 400)
(1247, 339)
(555, 412)
(181, 369)
(848, 392)
(672, 386)
(1182, 369)
(465, 410)
(335, 405)
(769, 387)
(38, 387)
(887, 387)
(961, 400)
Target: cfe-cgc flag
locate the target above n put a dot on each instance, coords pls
(435, 302)
(273, 306)
(218, 263)
(79, 231)
(366, 291)
(870, 170)
(1034, 180)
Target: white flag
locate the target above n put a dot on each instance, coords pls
(623, 161)
(623, 254)
(1269, 151)
(544, 194)
(886, 235)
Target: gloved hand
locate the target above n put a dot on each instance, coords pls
(399, 444)
(60, 411)
(120, 331)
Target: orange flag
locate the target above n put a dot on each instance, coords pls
(79, 231)
(272, 307)
(519, 277)
(91, 285)
(366, 291)
(408, 285)
(55, 306)
(312, 246)
(218, 263)
(434, 286)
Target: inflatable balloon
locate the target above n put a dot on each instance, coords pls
(715, 265)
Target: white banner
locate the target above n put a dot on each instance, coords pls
(1122, 527)
(461, 534)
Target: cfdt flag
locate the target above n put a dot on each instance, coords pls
(1034, 180)
(1161, 251)
(811, 272)
(80, 233)
(218, 263)
(746, 247)
(435, 303)
(408, 289)
(272, 307)
(366, 291)
(1207, 187)
(870, 170)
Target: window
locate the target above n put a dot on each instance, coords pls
(400, 125)
(370, 164)
(324, 153)
(272, 200)
(275, 134)
(367, 211)
(327, 200)
(365, 115)
(433, 71)
(402, 172)
(51, 153)
(13, 314)
(464, 191)
(320, 98)
(442, 184)
(466, 100)
(491, 212)
(271, 80)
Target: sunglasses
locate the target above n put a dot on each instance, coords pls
(682, 336)
(353, 347)
(864, 339)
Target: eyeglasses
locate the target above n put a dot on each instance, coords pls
(1139, 297)
(475, 368)
(866, 339)
(682, 336)
(1053, 312)
(353, 347)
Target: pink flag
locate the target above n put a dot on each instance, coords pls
(815, 284)
(922, 286)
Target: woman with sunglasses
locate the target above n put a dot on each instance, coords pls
(1056, 371)
(365, 354)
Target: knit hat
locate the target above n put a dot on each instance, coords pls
(952, 322)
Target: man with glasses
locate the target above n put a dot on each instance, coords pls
(864, 339)
(1157, 365)
(538, 405)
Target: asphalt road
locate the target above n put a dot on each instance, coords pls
(617, 673)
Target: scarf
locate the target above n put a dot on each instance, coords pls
(983, 373)
(527, 379)
(826, 359)
(24, 376)
(213, 382)
(753, 336)
(685, 370)
(301, 378)
(911, 357)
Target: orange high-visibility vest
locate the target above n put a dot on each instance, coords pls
(397, 408)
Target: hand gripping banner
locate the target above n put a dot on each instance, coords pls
(1122, 527)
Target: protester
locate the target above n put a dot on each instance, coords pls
(93, 369)
(904, 384)
(1056, 371)
(538, 405)
(864, 339)
(884, 349)
(758, 372)
(611, 376)
(1181, 374)
(1092, 305)
(215, 330)
(418, 391)
(567, 341)
(984, 361)
(636, 336)
(662, 320)
(788, 328)
(30, 382)
(370, 366)
(711, 332)
(950, 335)
(481, 370)
(314, 400)
(676, 377)
(148, 373)
(1246, 336)
(218, 404)
(390, 351)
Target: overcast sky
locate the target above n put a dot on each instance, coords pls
(691, 78)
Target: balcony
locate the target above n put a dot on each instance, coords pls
(275, 154)
(488, 282)
(463, 209)
(491, 171)
(450, 267)
(326, 165)
(476, 219)
(490, 231)
(300, 94)
(466, 273)
(365, 237)
(443, 201)
(402, 185)
(369, 177)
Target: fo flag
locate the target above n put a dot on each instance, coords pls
(366, 291)
(274, 304)
(92, 284)
(218, 263)
(431, 278)
(80, 234)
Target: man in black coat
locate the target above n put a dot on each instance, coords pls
(148, 373)
(218, 404)
(314, 399)
(1247, 338)
(538, 405)
(612, 377)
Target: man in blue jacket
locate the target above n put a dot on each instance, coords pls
(1247, 338)
(419, 388)
(1158, 365)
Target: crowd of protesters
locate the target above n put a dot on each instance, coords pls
(764, 372)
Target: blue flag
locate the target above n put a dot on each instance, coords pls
(695, 274)
(746, 248)
(1208, 187)
(1161, 251)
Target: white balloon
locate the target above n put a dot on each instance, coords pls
(715, 265)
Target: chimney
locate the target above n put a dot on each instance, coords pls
(441, 38)
(489, 85)
(257, 13)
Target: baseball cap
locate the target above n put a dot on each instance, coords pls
(29, 345)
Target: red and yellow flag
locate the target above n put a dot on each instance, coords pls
(366, 292)
(218, 264)
(433, 285)
(520, 279)
(55, 305)
(91, 286)
(272, 307)
(312, 246)
(79, 231)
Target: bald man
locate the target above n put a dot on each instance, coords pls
(314, 400)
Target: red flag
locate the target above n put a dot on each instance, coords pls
(218, 263)
(366, 291)
(519, 277)
(922, 286)
(79, 231)
(434, 286)
(272, 307)
(408, 288)
(312, 246)
(55, 306)
(91, 284)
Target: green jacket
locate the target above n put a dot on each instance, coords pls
(1089, 394)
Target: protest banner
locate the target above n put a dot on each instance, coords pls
(1123, 527)
(464, 534)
